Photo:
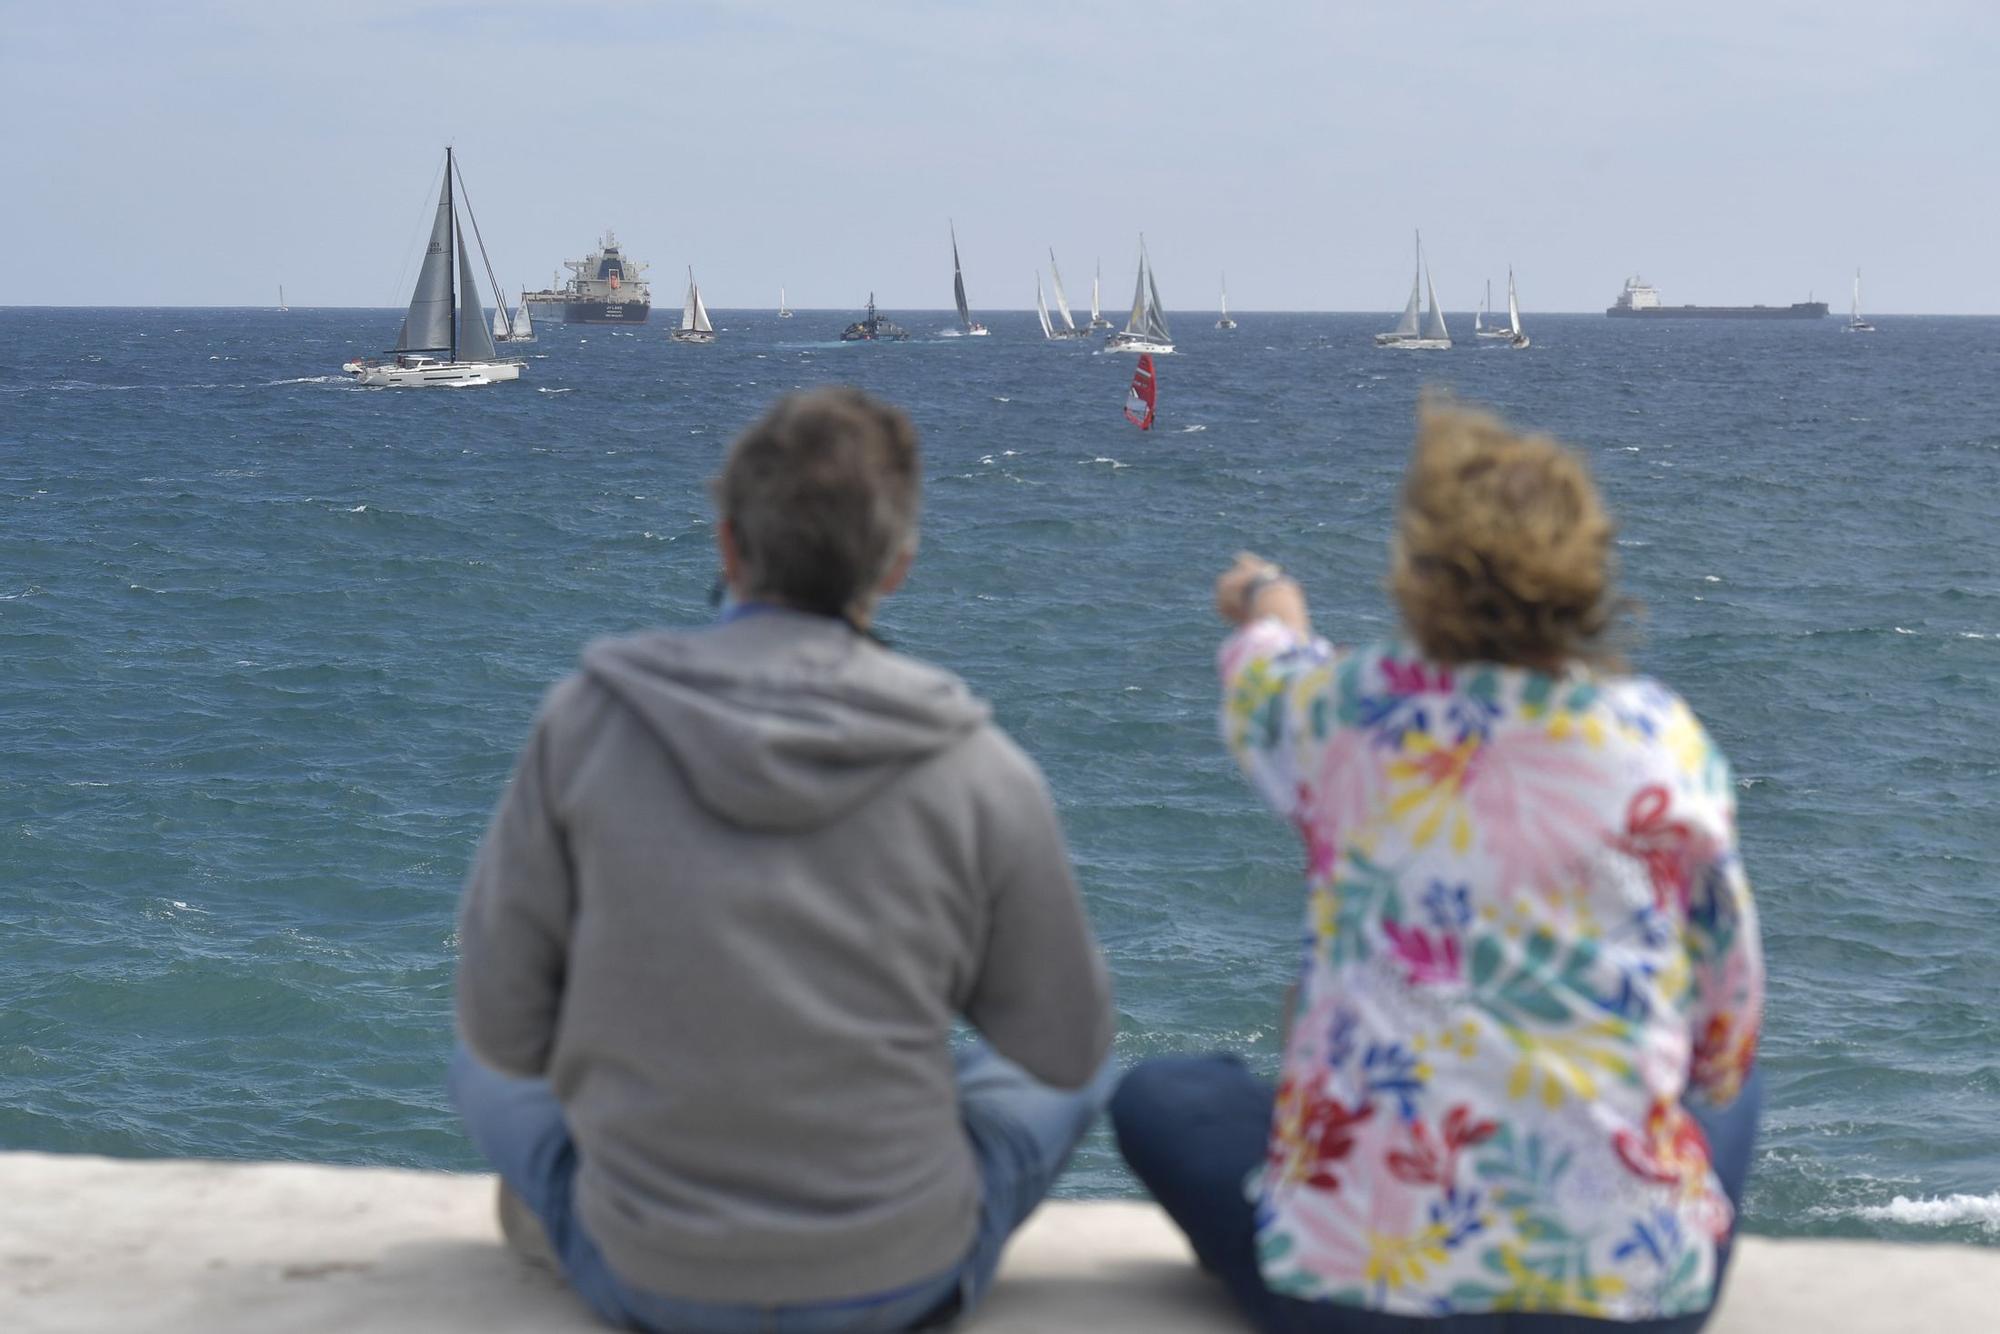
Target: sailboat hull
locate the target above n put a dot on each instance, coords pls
(1412, 343)
(691, 336)
(1496, 335)
(1225, 323)
(428, 374)
(1125, 342)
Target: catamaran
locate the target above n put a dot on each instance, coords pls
(1855, 324)
(1479, 326)
(1431, 335)
(518, 329)
(1049, 330)
(1097, 320)
(1515, 338)
(1225, 322)
(695, 327)
(967, 326)
(1146, 330)
(444, 339)
(784, 311)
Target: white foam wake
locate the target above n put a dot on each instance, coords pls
(1947, 1211)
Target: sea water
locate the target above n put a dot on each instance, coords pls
(271, 642)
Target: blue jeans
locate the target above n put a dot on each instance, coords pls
(1022, 1132)
(1192, 1128)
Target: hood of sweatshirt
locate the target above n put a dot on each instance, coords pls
(784, 721)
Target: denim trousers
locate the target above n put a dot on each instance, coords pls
(1192, 1128)
(1020, 1130)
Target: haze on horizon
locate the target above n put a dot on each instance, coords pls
(203, 154)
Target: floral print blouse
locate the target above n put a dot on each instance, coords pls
(1528, 939)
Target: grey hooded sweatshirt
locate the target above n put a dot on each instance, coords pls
(740, 886)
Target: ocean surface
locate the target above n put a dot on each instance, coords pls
(271, 642)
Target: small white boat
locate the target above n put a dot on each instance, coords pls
(967, 326)
(1855, 324)
(1097, 320)
(1225, 322)
(784, 311)
(444, 340)
(518, 329)
(1146, 329)
(1479, 327)
(695, 325)
(1515, 337)
(1429, 336)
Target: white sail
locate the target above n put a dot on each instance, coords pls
(1513, 306)
(1433, 317)
(783, 309)
(1225, 296)
(1854, 315)
(1062, 302)
(1095, 313)
(694, 314)
(500, 332)
(1042, 309)
(524, 328)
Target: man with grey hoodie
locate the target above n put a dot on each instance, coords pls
(743, 884)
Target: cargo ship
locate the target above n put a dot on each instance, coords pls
(1641, 301)
(604, 288)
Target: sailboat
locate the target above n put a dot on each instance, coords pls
(1431, 335)
(1042, 308)
(967, 326)
(281, 298)
(695, 327)
(1479, 327)
(784, 311)
(1225, 322)
(1515, 338)
(1855, 324)
(1068, 329)
(1146, 330)
(443, 340)
(1097, 320)
(520, 329)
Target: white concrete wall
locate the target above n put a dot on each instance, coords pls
(103, 1246)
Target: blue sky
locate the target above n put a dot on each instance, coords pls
(203, 153)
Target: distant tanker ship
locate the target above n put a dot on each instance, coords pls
(1641, 301)
(606, 289)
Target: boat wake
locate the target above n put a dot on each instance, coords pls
(308, 379)
(1186, 429)
(544, 389)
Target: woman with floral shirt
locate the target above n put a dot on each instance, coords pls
(1518, 1089)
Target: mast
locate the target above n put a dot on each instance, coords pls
(450, 257)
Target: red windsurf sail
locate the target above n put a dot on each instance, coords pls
(1139, 399)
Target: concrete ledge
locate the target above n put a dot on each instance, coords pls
(191, 1247)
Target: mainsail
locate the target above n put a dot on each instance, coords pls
(1042, 309)
(427, 326)
(1062, 302)
(1513, 306)
(694, 314)
(958, 284)
(1142, 395)
(500, 331)
(1096, 314)
(1406, 327)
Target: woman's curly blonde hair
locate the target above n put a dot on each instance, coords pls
(1503, 550)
